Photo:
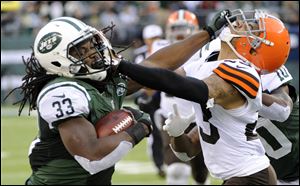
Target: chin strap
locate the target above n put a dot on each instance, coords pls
(226, 36)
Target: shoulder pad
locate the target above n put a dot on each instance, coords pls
(240, 75)
(63, 100)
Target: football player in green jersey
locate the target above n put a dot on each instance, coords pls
(70, 84)
(278, 128)
(71, 81)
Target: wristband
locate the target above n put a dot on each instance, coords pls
(148, 124)
(137, 132)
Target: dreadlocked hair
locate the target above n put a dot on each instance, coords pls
(35, 79)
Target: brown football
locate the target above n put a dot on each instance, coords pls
(113, 123)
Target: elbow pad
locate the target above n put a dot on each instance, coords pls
(109, 160)
(275, 112)
(181, 155)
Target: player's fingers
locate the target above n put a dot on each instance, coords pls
(175, 109)
(166, 127)
(168, 121)
(170, 115)
(191, 117)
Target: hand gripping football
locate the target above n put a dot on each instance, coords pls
(113, 123)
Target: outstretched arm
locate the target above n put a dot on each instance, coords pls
(173, 56)
(188, 88)
(167, 81)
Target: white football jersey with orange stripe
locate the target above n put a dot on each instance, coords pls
(228, 137)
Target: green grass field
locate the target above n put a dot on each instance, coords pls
(17, 133)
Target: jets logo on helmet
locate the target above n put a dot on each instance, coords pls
(49, 42)
(57, 48)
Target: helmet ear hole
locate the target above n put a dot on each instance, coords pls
(56, 63)
(253, 51)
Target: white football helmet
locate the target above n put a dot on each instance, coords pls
(55, 40)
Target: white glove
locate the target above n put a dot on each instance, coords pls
(175, 125)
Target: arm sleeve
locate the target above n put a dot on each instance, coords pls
(275, 112)
(188, 88)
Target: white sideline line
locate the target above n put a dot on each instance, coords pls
(6, 111)
(134, 167)
(4, 154)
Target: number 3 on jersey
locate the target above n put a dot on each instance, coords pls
(214, 133)
(63, 107)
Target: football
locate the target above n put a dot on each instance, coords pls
(113, 123)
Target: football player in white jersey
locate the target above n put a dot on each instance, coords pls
(227, 96)
(278, 126)
(180, 25)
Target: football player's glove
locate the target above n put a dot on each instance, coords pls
(176, 124)
(137, 131)
(218, 22)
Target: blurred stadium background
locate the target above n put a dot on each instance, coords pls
(20, 21)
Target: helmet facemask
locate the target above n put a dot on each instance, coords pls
(254, 36)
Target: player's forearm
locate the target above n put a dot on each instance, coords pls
(98, 148)
(276, 106)
(167, 81)
(279, 96)
(106, 145)
(173, 56)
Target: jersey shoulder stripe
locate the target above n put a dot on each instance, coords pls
(64, 84)
(245, 81)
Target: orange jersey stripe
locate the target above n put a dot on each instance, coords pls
(244, 82)
(243, 75)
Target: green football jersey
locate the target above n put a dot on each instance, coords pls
(60, 99)
(281, 141)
